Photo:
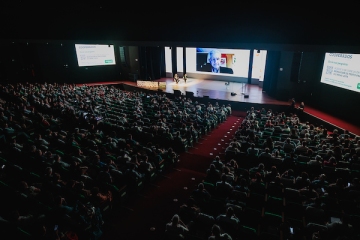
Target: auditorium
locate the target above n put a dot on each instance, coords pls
(168, 121)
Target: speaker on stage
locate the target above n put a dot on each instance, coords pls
(189, 94)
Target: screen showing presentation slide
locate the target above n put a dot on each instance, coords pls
(232, 62)
(342, 70)
(95, 55)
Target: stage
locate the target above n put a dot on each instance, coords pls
(217, 90)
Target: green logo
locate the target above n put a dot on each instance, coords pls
(108, 61)
(358, 86)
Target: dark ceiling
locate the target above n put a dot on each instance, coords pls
(225, 23)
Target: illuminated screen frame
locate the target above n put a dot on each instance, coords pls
(341, 70)
(89, 55)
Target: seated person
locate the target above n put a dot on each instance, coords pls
(265, 154)
(218, 163)
(216, 234)
(176, 78)
(232, 147)
(212, 174)
(201, 195)
(223, 188)
(228, 219)
(189, 210)
(176, 227)
(252, 151)
(185, 77)
(302, 181)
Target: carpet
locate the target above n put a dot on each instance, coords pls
(145, 215)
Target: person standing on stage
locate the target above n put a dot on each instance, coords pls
(301, 107)
(292, 105)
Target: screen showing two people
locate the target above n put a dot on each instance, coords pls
(212, 60)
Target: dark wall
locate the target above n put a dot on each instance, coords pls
(19, 63)
(152, 62)
(134, 59)
(59, 64)
(285, 90)
(52, 62)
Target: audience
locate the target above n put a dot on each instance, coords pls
(92, 141)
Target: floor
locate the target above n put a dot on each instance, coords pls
(219, 90)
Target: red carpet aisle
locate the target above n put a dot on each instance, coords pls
(144, 216)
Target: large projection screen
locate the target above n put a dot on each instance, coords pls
(95, 55)
(342, 70)
(228, 61)
(218, 64)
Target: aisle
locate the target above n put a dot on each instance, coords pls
(145, 215)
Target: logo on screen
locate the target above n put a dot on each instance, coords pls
(108, 61)
(358, 86)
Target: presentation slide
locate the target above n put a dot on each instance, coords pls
(342, 70)
(216, 61)
(95, 55)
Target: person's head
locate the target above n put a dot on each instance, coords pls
(261, 166)
(215, 230)
(304, 175)
(229, 212)
(175, 220)
(214, 58)
(322, 177)
(318, 158)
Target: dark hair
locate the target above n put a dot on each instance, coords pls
(216, 230)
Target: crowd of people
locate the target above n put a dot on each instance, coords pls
(70, 152)
(279, 177)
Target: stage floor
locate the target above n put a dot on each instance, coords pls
(218, 90)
